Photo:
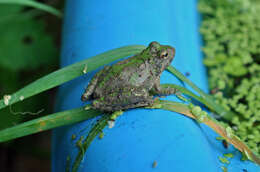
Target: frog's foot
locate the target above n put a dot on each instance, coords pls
(111, 107)
(124, 100)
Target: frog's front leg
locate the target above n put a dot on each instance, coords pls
(158, 90)
(121, 100)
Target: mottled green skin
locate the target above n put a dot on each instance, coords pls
(132, 82)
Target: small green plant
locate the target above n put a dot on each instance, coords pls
(231, 31)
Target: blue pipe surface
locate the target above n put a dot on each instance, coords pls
(141, 136)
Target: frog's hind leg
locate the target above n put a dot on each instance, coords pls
(127, 99)
(92, 85)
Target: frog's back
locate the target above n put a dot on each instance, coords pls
(127, 73)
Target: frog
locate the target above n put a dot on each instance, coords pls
(131, 83)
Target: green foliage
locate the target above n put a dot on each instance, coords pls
(24, 40)
(68, 117)
(47, 122)
(32, 3)
(70, 72)
(231, 31)
(57, 78)
(25, 47)
(54, 79)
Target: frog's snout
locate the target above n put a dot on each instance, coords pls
(171, 52)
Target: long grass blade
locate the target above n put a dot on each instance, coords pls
(208, 100)
(34, 4)
(47, 122)
(70, 72)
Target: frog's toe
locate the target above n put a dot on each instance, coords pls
(116, 106)
(84, 98)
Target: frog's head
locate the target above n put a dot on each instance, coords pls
(161, 55)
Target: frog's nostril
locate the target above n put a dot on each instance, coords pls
(171, 52)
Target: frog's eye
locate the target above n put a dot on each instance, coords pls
(164, 54)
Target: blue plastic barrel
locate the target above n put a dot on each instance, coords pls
(141, 137)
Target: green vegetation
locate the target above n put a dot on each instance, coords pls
(69, 117)
(231, 31)
(27, 51)
(223, 160)
(34, 4)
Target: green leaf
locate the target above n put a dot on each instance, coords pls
(208, 100)
(24, 43)
(234, 66)
(68, 73)
(15, 54)
(47, 122)
(8, 10)
(33, 4)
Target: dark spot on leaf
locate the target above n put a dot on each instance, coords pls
(27, 40)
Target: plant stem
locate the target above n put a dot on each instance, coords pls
(213, 124)
(207, 99)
